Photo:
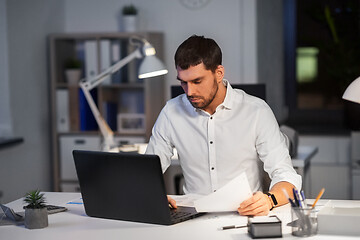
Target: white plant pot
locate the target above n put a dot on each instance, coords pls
(36, 218)
(129, 23)
(73, 76)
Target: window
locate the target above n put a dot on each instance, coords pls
(322, 42)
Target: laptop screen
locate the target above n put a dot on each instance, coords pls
(122, 186)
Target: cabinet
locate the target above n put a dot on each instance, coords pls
(122, 99)
(330, 167)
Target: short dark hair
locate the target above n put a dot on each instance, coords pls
(196, 50)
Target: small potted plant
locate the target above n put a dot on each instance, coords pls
(36, 215)
(129, 18)
(73, 71)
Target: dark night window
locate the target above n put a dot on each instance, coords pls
(322, 52)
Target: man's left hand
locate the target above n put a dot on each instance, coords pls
(258, 205)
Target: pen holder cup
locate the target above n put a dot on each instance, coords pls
(304, 222)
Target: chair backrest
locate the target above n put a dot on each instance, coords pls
(258, 90)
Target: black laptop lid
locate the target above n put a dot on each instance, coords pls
(122, 186)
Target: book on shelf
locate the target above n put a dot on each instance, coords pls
(133, 66)
(74, 116)
(110, 113)
(121, 48)
(80, 55)
(131, 101)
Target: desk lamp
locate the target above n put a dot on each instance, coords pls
(150, 67)
(352, 92)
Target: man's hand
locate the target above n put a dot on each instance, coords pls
(172, 202)
(258, 205)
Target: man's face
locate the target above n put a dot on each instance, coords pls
(199, 84)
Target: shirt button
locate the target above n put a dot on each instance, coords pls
(211, 142)
(214, 190)
(212, 168)
(211, 117)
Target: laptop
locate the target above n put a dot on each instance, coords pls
(126, 186)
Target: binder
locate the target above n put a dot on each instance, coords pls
(62, 110)
(115, 57)
(87, 119)
(105, 61)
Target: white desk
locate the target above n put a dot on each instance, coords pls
(302, 161)
(74, 224)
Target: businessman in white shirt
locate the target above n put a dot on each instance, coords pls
(220, 132)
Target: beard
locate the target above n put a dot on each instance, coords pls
(203, 102)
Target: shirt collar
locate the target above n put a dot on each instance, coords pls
(228, 101)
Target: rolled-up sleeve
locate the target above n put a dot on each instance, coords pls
(272, 150)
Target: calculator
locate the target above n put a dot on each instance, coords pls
(55, 209)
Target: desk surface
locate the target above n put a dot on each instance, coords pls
(7, 141)
(74, 224)
(305, 153)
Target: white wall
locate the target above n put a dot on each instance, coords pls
(27, 166)
(26, 24)
(5, 114)
(230, 22)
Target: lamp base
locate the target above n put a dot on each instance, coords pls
(352, 115)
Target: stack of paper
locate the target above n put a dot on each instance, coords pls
(339, 219)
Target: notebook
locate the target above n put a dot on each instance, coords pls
(126, 186)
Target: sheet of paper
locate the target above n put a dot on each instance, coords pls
(186, 200)
(227, 198)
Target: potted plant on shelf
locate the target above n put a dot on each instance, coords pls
(129, 18)
(73, 71)
(36, 215)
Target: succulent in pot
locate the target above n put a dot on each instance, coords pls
(36, 215)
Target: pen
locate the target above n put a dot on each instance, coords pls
(232, 227)
(303, 198)
(287, 196)
(318, 197)
(295, 198)
(300, 203)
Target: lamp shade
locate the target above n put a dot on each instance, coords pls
(151, 66)
(352, 92)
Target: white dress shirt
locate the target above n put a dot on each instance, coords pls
(214, 149)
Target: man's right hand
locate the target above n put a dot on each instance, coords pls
(172, 202)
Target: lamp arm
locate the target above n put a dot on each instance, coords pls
(95, 81)
(86, 86)
(105, 130)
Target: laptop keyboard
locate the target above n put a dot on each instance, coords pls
(175, 215)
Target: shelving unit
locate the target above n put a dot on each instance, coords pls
(148, 95)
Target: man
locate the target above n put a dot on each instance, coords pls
(220, 132)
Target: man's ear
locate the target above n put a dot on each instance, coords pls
(219, 73)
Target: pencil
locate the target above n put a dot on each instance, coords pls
(318, 197)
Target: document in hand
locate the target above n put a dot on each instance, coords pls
(227, 198)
